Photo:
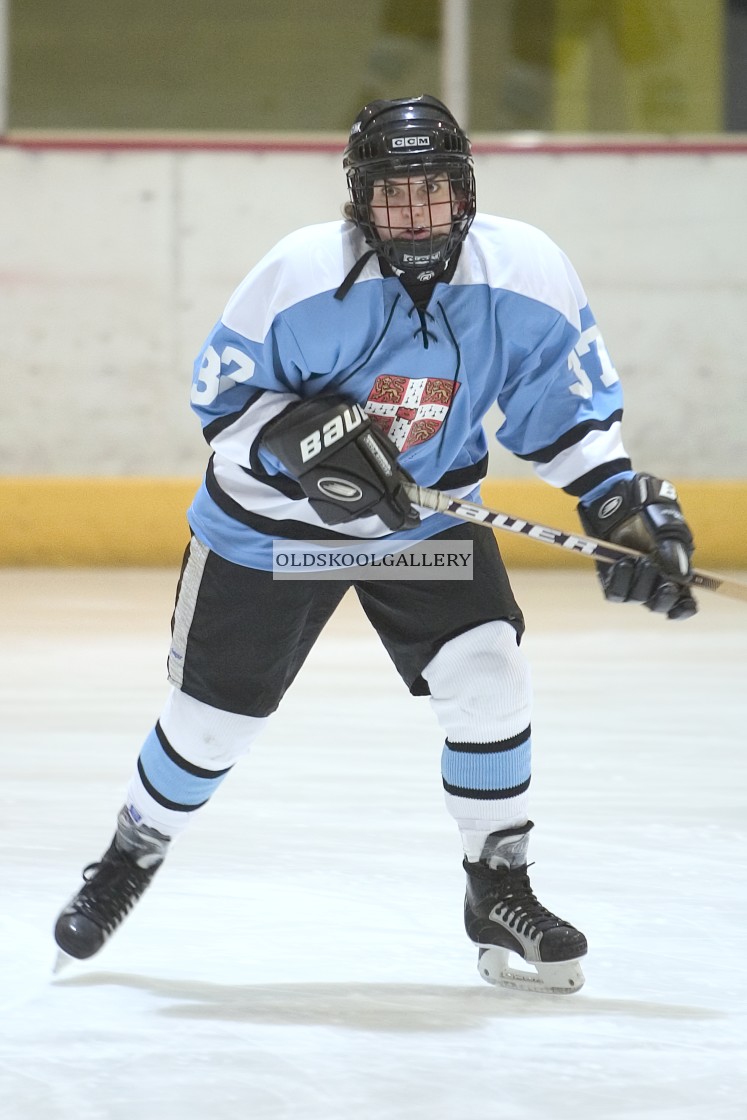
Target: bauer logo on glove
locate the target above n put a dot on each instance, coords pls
(341, 424)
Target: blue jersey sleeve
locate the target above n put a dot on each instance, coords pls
(562, 400)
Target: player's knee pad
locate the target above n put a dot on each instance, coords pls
(205, 736)
(480, 685)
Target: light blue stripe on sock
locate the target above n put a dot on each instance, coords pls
(170, 780)
(487, 770)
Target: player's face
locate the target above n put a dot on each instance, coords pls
(416, 207)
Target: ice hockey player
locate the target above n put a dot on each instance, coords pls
(356, 355)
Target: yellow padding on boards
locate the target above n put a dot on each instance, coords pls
(141, 521)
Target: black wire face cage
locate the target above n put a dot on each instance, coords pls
(423, 210)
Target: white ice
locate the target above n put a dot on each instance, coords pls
(301, 953)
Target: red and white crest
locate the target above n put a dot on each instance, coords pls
(410, 410)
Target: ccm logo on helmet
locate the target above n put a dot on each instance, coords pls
(411, 141)
(333, 430)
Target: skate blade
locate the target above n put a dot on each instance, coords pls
(62, 962)
(557, 978)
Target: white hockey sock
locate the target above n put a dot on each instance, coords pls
(184, 759)
(481, 695)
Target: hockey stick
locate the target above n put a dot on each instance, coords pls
(571, 542)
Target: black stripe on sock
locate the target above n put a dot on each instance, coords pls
(492, 748)
(164, 801)
(188, 767)
(487, 794)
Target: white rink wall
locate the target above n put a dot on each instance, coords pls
(115, 262)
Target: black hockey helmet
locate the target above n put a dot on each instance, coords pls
(410, 137)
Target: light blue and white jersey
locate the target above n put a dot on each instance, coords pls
(512, 326)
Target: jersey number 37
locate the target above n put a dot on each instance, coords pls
(583, 387)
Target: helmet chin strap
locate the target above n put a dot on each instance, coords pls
(402, 248)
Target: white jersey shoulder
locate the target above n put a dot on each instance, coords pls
(301, 265)
(512, 255)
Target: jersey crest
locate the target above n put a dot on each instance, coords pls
(410, 410)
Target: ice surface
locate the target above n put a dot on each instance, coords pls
(301, 953)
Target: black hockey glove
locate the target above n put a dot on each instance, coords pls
(346, 467)
(643, 513)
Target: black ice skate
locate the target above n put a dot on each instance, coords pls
(111, 888)
(502, 915)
